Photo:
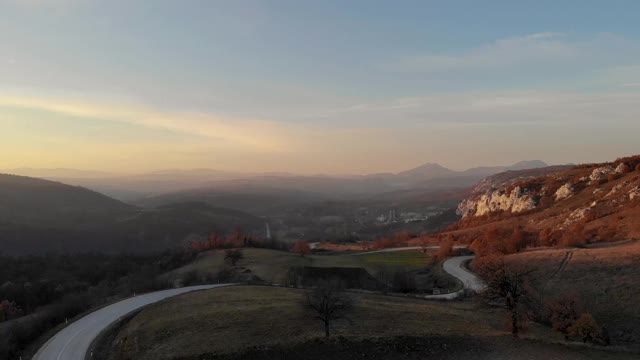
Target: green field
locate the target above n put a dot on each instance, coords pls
(272, 266)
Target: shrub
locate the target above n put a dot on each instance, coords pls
(586, 329)
(638, 167)
(574, 236)
(563, 312)
(301, 248)
(612, 177)
(446, 249)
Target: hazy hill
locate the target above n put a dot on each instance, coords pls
(260, 194)
(44, 203)
(40, 216)
(132, 188)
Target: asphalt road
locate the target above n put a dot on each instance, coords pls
(455, 267)
(72, 342)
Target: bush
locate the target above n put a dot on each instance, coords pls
(586, 329)
(301, 248)
(563, 312)
(446, 249)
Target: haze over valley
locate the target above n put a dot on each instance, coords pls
(312, 180)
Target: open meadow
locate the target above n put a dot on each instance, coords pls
(224, 323)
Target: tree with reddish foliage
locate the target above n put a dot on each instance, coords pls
(446, 248)
(301, 248)
(638, 167)
(423, 241)
(215, 241)
(402, 238)
(545, 238)
(563, 312)
(574, 235)
(516, 242)
(587, 329)
(606, 233)
(612, 177)
(385, 243)
(485, 245)
(506, 285)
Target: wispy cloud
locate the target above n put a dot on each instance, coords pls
(259, 135)
(540, 49)
(508, 108)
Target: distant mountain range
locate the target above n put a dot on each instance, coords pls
(140, 188)
(42, 216)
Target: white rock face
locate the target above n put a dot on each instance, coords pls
(614, 190)
(516, 201)
(600, 173)
(564, 191)
(634, 193)
(621, 168)
(577, 215)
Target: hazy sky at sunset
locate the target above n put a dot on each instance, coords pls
(316, 86)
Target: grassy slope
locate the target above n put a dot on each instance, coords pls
(233, 319)
(606, 280)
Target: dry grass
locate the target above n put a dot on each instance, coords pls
(606, 280)
(233, 319)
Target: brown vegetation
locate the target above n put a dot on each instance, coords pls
(301, 248)
(586, 328)
(601, 210)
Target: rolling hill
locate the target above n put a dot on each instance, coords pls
(262, 194)
(43, 203)
(41, 216)
(133, 188)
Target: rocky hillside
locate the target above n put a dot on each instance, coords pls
(588, 203)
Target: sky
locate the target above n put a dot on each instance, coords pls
(332, 86)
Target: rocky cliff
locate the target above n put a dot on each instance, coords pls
(557, 198)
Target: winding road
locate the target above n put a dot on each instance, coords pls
(73, 342)
(455, 266)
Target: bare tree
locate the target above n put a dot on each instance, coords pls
(233, 256)
(506, 285)
(329, 303)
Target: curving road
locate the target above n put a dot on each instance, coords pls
(470, 281)
(455, 267)
(72, 342)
